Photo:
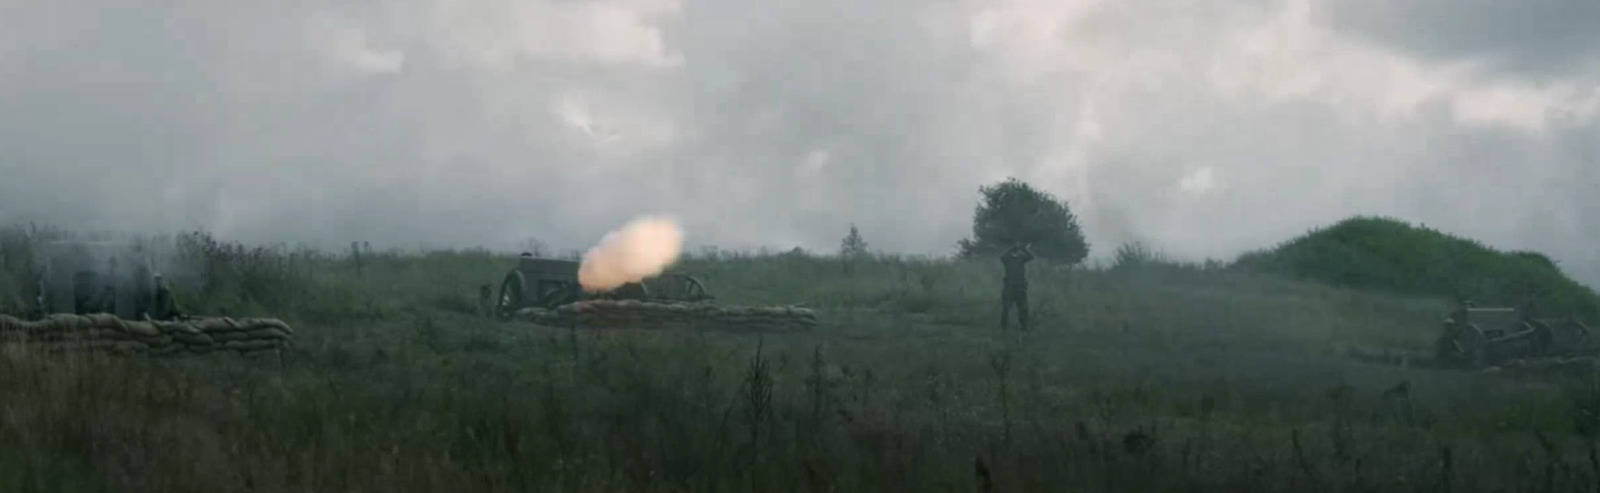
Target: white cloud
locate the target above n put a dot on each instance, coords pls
(815, 163)
(349, 48)
(499, 35)
(1198, 181)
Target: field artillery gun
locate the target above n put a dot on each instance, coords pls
(546, 283)
(547, 292)
(1479, 337)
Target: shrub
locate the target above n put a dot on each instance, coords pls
(1014, 211)
(1389, 254)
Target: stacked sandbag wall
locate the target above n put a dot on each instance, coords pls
(641, 314)
(106, 332)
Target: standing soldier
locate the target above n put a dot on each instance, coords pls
(41, 297)
(165, 307)
(1015, 292)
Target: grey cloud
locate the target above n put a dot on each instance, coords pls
(1537, 37)
(865, 83)
(232, 120)
(784, 123)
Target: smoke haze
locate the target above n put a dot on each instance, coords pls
(643, 248)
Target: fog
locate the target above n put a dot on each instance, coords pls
(1204, 128)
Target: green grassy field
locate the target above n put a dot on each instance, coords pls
(1154, 377)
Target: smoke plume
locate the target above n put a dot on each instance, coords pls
(641, 249)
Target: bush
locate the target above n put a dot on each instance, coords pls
(1137, 255)
(1388, 254)
(1013, 211)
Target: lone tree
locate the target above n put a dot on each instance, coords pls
(1013, 211)
(853, 245)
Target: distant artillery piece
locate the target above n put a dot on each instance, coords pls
(550, 283)
(1479, 337)
(547, 292)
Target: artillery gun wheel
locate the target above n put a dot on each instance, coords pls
(1542, 340)
(1466, 347)
(693, 290)
(557, 295)
(511, 296)
(1582, 339)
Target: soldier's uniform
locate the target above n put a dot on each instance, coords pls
(41, 299)
(1015, 291)
(165, 307)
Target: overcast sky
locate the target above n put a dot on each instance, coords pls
(1203, 127)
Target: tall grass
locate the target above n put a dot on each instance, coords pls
(1135, 379)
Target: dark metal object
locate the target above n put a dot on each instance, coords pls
(549, 283)
(1479, 337)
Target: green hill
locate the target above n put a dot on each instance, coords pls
(1379, 253)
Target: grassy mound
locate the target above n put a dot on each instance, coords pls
(1377, 253)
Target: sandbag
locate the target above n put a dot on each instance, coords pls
(102, 332)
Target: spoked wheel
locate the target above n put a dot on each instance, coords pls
(1581, 338)
(555, 295)
(1542, 339)
(678, 287)
(1465, 348)
(693, 289)
(510, 296)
